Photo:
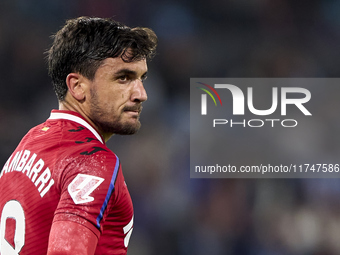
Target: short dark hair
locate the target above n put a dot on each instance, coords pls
(83, 43)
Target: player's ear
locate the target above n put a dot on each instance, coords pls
(76, 86)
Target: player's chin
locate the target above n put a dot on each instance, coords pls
(131, 119)
(129, 127)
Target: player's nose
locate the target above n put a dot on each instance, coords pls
(139, 92)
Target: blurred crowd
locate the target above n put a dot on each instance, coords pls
(176, 215)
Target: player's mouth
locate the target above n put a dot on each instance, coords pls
(133, 110)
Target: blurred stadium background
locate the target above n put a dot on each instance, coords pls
(176, 215)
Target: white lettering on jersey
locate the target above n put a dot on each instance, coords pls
(82, 186)
(14, 161)
(23, 161)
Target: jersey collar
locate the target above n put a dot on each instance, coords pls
(68, 115)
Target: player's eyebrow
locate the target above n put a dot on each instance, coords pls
(125, 72)
(130, 73)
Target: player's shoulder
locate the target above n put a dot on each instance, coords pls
(78, 141)
(93, 159)
(88, 158)
(91, 148)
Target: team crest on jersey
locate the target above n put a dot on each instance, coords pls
(82, 186)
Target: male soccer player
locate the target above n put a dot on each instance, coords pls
(62, 191)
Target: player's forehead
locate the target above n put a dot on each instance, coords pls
(116, 65)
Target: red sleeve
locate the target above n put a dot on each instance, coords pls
(87, 190)
(71, 238)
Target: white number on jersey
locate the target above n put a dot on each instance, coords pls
(12, 210)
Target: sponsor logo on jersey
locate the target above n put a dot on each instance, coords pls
(82, 186)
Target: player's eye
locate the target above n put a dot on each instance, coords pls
(123, 78)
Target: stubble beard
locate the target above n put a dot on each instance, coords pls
(119, 128)
(113, 125)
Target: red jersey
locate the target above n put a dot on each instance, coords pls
(63, 171)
